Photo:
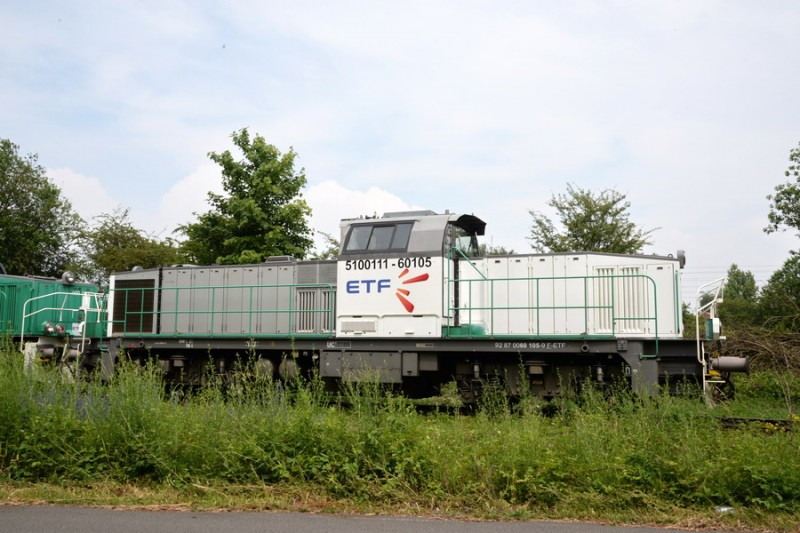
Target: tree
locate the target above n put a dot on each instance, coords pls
(486, 250)
(38, 229)
(740, 306)
(331, 250)
(780, 298)
(591, 222)
(740, 285)
(113, 244)
(263, 213)
(784, 207)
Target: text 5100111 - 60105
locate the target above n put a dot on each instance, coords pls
(374, 264)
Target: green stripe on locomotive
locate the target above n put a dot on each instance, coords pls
(31, 306)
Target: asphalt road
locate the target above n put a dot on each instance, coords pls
(40, 519)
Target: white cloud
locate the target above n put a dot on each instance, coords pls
(330, 202)
(186, 197)
(87, 195)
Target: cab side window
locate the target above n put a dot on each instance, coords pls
(381, 238)
(378, 237)
(358, 238)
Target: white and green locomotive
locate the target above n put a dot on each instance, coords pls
(411, 302)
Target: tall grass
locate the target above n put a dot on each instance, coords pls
(597, 452)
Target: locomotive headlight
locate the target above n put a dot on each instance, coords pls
(49, 328)
(60, 329)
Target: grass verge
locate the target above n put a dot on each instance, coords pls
(257, 444)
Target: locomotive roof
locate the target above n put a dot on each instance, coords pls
(467, 222)
(428, 231)
(679, 257)
(13, 278)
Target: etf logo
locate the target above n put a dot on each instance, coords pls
(369, 286)
(402, 293)
(359, 286)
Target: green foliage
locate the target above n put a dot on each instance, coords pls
(331, 250)
(591, 222)
(737, 313)
(740, 285)
(770, 384)
(113, 244)
(689, 322)
(38, 229)
(775, 307)
(784, 207)
(263, 213)
(741, 305)
(485, 250)
(606, 452)
(780, 297)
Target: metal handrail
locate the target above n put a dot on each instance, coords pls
(75, 310)
(615, 319)
(327, 326)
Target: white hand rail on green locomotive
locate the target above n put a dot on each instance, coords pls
(86, 307)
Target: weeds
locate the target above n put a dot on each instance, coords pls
(599, 453)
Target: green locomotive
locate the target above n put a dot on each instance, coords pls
(53, 320)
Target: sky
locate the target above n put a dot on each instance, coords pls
(689, 108)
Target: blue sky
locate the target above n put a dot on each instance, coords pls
(687, 107)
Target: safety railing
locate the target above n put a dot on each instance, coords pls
(83, 309)
(614, 319)
(6, 320)
(3, 309)
(594, 306)
(219, 311)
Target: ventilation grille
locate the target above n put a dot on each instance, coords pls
(632, 305)
(314, 310)
(363, 326)
(620, 295)
(134, 306)
(604, 300)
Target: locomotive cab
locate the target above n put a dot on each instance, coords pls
(394, 273)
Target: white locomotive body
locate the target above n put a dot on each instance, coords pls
(395, 286)
(586, 294)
